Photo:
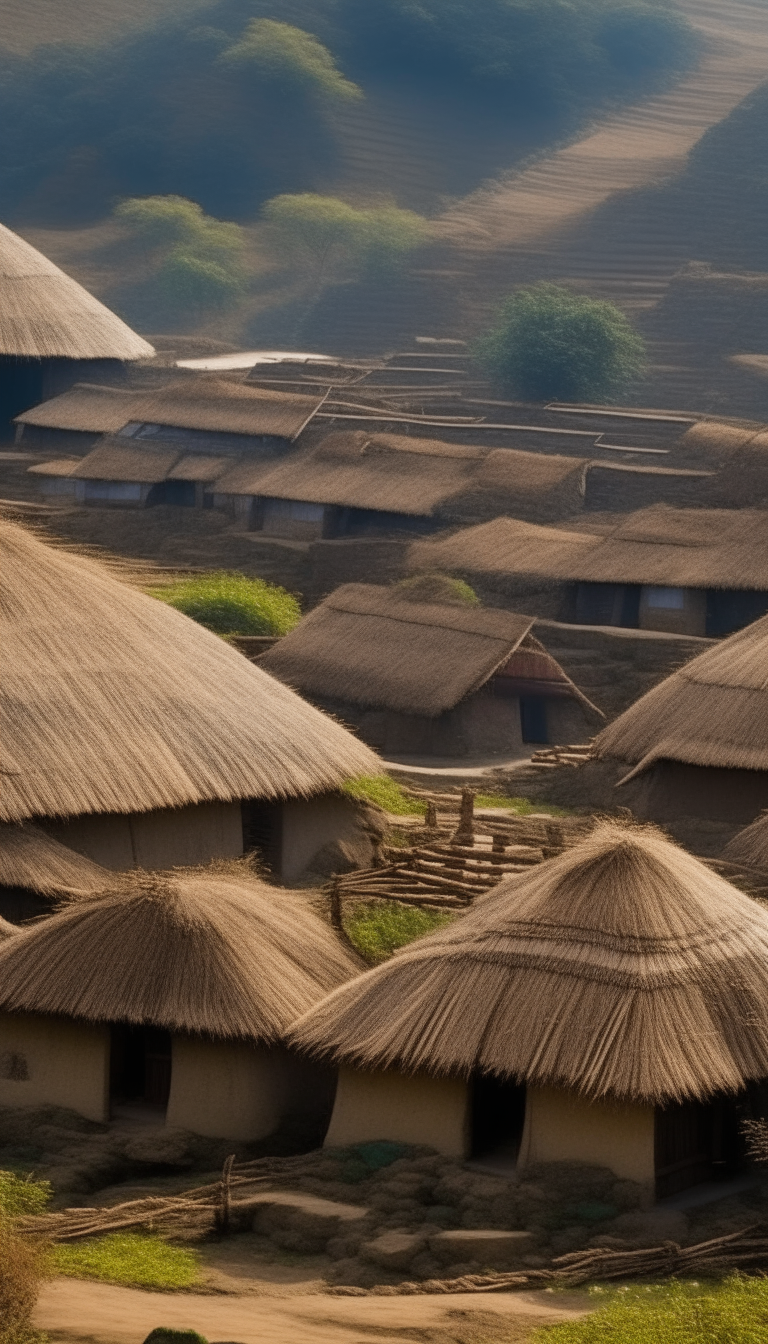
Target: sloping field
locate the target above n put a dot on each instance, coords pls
(26, 24)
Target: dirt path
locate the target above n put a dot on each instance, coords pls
(638, 146)
(74, 1311)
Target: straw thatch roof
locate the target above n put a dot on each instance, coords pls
(45, 314)
(113, 702)
(505, 546)
(62, 466)
(116, 459)
(623, 968)
(6, 929)
(88, 408)
(375, 647)
(190, 402)
(218, 954)
(713, 711)
(420, 477)
(715, 439)
(30, 858)
(750, 846)
(203, 467)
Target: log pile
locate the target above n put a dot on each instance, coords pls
(549, 758)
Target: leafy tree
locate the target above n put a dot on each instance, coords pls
(288, 55)
(549, 343)
(232, 604)
(197, 259)
(327, 236)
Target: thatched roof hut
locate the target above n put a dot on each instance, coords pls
(173, 991)
(624, 968)
(620, 977)
(86, 408)
(712, 716)
(45, 314)
(373, 648)
(113, 703)
(505, 546)
(749, 847)
(35, 870)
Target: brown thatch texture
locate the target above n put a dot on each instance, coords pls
(190, 402)
(713, 711)
(113, 702)
(414, 476)
(45, 314)
(622, 968)
(7, 930)
(371, 646)
(750, 846)
(30, 858)
(505, 546)
(715, 439)
(199, 467)
(116, 459)
(87, 407)
(214, 953)
(63, 466)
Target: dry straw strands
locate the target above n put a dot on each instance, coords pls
(750, 846)
(116, 459)
(113, 702)
(621, 968)
(30, 858)
(713, 711)
(215, 953)
(90, 408)
(44, 314)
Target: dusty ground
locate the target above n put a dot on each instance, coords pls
(72, 1311)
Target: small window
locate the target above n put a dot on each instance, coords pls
(667, 599)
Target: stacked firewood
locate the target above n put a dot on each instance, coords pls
(548, 758)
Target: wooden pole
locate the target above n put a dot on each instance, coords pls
(466, 829)
(225, 1196)
(335, 894)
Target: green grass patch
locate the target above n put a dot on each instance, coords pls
(522, 806)
(232, 604)
(130, 1258)
(385, 792)
(378, 928)
(732, 1312)
(21, 1195)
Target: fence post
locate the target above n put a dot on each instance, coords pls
(222, 1214)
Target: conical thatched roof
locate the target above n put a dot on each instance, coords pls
(30, 858)
(750, 846)
(113, 702)
(45, 314)
(713, 711)
(622, 968)
(213, 953)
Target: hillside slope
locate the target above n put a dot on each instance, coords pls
(26, 24)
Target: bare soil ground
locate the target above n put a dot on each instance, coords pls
(77, 1312)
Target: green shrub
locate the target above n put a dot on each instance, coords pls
(437, 588)
(129, 1258)
(165, 1335)
(732, 1312)
(21, 1271)
(551, 344)
(291, 57)
(197, 259)
(232, 604)
(330, 237)
(20, 1195)
(187, 281)
(378, 928)
(386, 793)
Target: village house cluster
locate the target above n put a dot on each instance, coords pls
(175, 816)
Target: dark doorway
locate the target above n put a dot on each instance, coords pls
(729, 610)
(533, 718)
(263, 832)
(18, 904)
(180, 493)
(697, 1141)
(498, 1116)
(139, 1067)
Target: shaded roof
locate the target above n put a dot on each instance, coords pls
(712, 711)
(46, 314)
(750, 845)
(373, 646)
(623, 968)
(209, 952)
(7, 929)
(189, 402)
(401, 474)
(111, 701)
(30, 858)
(117, 459)
(505, 546)
(199, 467)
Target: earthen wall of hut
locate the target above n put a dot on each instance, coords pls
(52, 1061)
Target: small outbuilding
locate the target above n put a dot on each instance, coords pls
(138, 738)
(697, 744)
(169, 997)
(608, 1007)
(36, 871)
(415, 677)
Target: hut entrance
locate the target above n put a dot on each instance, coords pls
(498, 1116)
(696, 1141)
(139, 1070)
(533, 718)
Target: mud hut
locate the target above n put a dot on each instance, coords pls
(168, 997)
(608, 1007)
(697, 743)
(135, 736)
(36, 871)
(52, 331)
(417, 677)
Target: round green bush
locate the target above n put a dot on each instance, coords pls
(232, 604)
(551, 344)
